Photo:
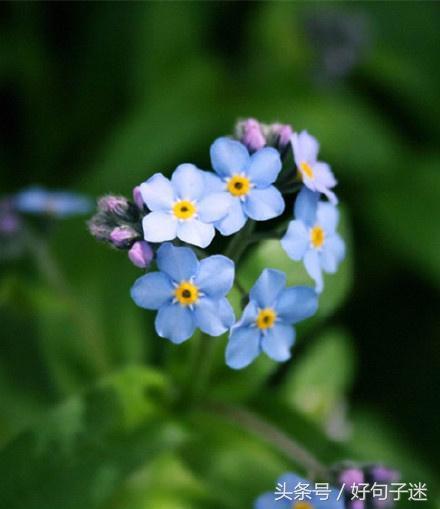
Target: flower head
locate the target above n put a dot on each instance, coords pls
(316, 175)
(62, 204)
(247, 180)
(267, 321)
(293, 492)
(187, 293)
(182, 207)
(312, 236)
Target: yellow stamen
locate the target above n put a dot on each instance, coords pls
(317, 237)
(184, 209)
(186, 293)
(266, 318)
(306, 170)
(302, 505)
(238, 185)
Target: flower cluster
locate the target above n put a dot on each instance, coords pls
(171, 223)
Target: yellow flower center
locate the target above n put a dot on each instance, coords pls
(317, 237)
(302, 505)
(184, 209)
(238, 185)
(186, 293)
(266, 318)
(306, 170)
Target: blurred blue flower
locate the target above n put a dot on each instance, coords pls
(316, 175)
(187, 293)
(312, 236)
(62, 204)
(182, 207)
(291, 489)
(266, 323)
(248, 180)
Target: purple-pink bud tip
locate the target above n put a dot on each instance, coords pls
(284, 133)
(141, 254)
(121, 236)
(137, 197)
(253, 136)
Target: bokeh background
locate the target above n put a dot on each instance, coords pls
(95, 97)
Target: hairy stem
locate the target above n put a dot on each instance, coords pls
(263, 429)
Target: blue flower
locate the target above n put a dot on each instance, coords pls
(187, 293)
(248, 180)
(182, 207)
(291, 486)
(266, 323)
(37, 200)
(316, 175)
(312, 236)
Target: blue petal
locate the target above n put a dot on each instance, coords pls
(268, 501)
(295, 240)
(332, 253)
(180, 263)
(264, 204)
(188, 182)
(331, 503)
(152, 290)
(249, 315)
(213, 183)
(195, 232)
(306, 206)
(243, 347)
(296, 304)
(214, 207)
(277, 341)
(214, 316)
(159, 227)
(305, 147)
(264, 166)
(313, 268)
(267, 287)
(175, 322)
(157, 193)
(215, 276)
(228, 157)
(234, 220)
(328, 217)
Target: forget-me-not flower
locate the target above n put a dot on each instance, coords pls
(312, 236)
(182, 207)
(316, 175)
(293, 492)
(267, 321)
(62, 204)
(187, 293)
(248, 180)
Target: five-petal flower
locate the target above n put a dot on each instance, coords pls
(293, 492)
(248, 180)
(182, 207)
(187, 293)
(267, 321)
(312, 236)
(316, 175)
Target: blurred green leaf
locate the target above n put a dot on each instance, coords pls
(79, 453)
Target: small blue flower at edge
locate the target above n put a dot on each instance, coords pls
(187, 293)
(248, 180)
(312, 236)
(291, 481)
(62, 204)
(267, 321)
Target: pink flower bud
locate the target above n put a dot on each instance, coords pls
(141, 254)
(283, 132)
(252, 135)
(122, 236)
(137, 197)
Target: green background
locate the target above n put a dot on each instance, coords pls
(95, 97)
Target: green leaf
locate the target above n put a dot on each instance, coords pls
(80, 452)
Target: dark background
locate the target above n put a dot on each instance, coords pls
(95, 97)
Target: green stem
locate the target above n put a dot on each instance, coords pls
(263, 429)
(49, 268)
